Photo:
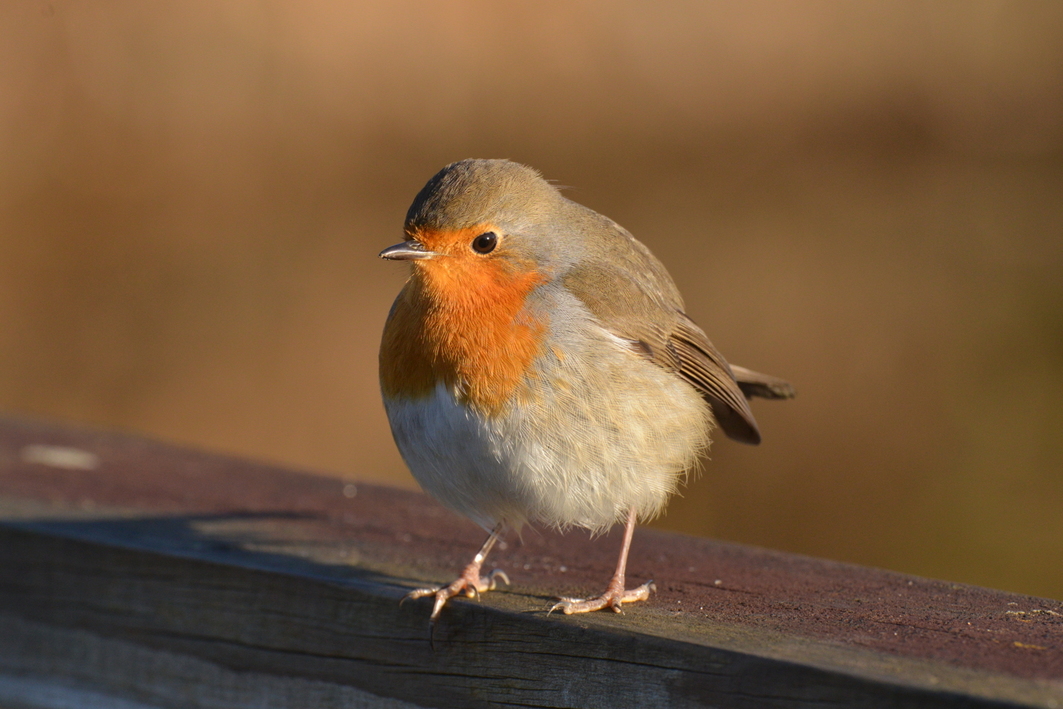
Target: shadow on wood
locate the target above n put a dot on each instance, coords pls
(138, 574)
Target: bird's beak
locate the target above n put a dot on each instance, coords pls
(407, 251)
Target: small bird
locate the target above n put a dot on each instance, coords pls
(537, 367)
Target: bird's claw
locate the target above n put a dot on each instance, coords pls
(420, 593)
(496, 574)
(470, 583)
(485, 583)
(614, 596)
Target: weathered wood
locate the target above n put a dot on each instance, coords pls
(136, 574)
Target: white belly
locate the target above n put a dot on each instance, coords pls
(602, 438)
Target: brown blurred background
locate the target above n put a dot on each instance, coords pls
(865, 198)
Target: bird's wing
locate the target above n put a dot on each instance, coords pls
(633, 297)
(701, 364)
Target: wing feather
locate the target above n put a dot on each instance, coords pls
(634, 298)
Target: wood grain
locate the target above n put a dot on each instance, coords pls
(164, 577)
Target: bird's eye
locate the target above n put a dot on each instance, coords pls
(485, 243)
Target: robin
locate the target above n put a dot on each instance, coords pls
(538, 367)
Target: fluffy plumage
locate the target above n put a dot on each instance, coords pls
(551, 376)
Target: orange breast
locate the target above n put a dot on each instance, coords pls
(461, 319)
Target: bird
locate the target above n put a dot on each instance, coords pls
(538, 367)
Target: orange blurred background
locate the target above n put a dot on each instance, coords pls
(864, 198)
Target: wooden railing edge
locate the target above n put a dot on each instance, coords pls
(227, 604)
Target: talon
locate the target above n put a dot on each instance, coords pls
(432, 633)
(419, 593)
(498, 574)
(613, 598)
(470, 583)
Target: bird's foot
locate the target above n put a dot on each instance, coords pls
(471, 583)
(614, 595)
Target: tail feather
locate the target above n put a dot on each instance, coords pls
(763, 385)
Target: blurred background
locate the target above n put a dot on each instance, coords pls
(864, 198)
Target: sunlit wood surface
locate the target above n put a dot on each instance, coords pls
(132, 571)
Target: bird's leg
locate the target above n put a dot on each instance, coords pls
(615, 593)
(470, 582)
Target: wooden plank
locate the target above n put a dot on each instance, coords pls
(164, 577)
